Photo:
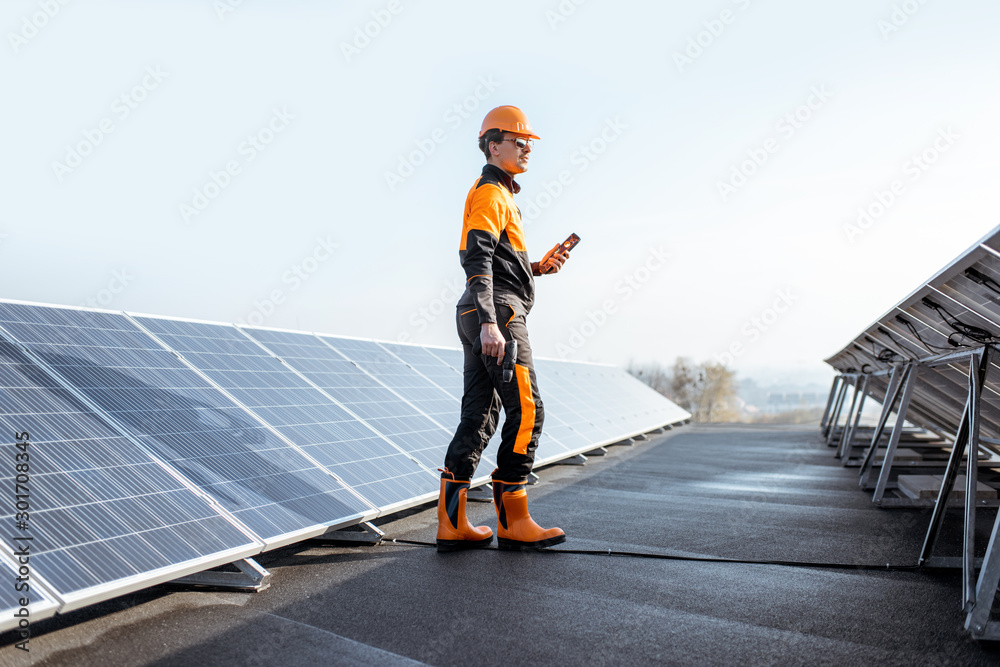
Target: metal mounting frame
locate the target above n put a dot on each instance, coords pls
(251, 577)
(853, 417)
(365, 534)
(830, 428)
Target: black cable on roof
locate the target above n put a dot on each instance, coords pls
(699, 559)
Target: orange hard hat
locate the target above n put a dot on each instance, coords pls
(508, 119)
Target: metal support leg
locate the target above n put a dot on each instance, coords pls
(835, 417)
(480, 494)
(967, 439)
(360, 535)
(977, 620)
(577, 460)
(829, 402)
(897, 430)
(847, 440)
(251, 577)
(978, 369)
(891, 395)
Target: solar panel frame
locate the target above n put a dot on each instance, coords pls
(938, 342)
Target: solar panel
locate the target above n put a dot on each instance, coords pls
(409, 431)
(101, 513)
(175, 413)
(321, 428)
(942, 338)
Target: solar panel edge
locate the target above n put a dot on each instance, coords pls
(95, 594)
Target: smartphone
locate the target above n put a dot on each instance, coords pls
(565, 246)
(569, 243)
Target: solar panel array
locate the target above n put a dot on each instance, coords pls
(159, 447)
(931, 360)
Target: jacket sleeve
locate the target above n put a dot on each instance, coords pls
(482, 230)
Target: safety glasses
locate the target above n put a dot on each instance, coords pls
(522, 143)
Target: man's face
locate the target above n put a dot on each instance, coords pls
(509, 157)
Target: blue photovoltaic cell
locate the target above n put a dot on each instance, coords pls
(364, 396)
(178, 415)
(100, 508)
(361, 458)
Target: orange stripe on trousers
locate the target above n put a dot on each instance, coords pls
(527, 410)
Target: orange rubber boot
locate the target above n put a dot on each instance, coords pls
(516, 530)
(454, 530)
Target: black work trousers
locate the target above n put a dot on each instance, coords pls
(486, 392)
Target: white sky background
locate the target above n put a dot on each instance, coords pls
(395, 271)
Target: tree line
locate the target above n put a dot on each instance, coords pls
(707, 390)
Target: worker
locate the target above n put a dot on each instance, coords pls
(498, 296)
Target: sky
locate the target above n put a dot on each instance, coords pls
(754, 182)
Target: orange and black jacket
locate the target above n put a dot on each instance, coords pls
(493, 251)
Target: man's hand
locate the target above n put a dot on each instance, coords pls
(554, 263)
(493, 341)
(551, 262)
